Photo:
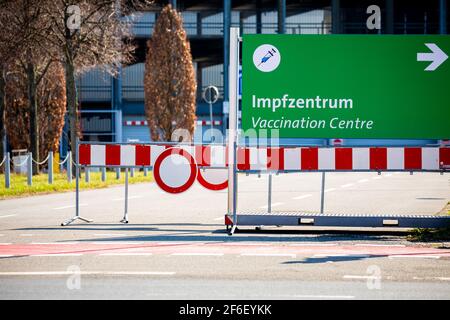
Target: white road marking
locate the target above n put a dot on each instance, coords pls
(322, 297)
(347, 185)
(71, 206)
(275, 204)
(329, 190)
(129, 198)
(432, 278)
(378, 245)
(196, 254)
(63, 273)
(8, 215)
(302, 197)
(363, 180)
(110, 235)
(313, 244)
(220, 218)
(26, 235)
(376, 178)
(5, 243)
(5, 255)
(58, 255)
(329, 255)
(291, 255)
(414, 256)
(127, 254)
(115, 242)
(388, 175)
(360, 277)
(53, 243)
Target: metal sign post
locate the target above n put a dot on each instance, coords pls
(232, 126)
(211, 95)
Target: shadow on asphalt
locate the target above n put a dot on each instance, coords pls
(220, 235)
(316, 260)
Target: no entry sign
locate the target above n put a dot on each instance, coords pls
(349, 86)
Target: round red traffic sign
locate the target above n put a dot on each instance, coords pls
(175, 170)
(213, 179)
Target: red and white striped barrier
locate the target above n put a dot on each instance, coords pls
(177, 167)
(283, 159)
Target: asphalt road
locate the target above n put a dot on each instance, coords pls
(176, 246)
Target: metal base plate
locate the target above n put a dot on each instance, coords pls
(341, 220)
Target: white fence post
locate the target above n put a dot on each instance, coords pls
(30, 169)
(87, 174)
(50, 167)
(69, 167)
(104, 174)
(7, 171)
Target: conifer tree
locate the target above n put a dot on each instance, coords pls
(169, 82)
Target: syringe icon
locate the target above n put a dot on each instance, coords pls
(268, 55)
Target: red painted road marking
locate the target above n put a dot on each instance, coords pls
(225, 248)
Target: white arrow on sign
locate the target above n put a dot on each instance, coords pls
(437, 56)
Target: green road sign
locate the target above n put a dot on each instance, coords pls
(347, 86)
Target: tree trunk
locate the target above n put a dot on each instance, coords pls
(2, 114)
(72, 106)
(34, 129)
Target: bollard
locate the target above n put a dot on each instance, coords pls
(69, 167)
(7, 171)
(117, 173)
(145, 172)
(50, 167)
(103, 174)
(87, 175)
(30, 169)
(131, 172)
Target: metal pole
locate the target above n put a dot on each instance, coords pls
(269, 196)
(50, 167)
(281, 16)
(443, 16)
(77, 186)
(145, 172)
(322, 194)
(232, 132)
(211, 119)
(125, 214)
(7, 171)
(103, 174)
(69, 167)
(87, 174)
(117, 173)
(30, 169)
(77, 189)
(132, 172)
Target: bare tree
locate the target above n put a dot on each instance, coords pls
(89, 33)
(169, 83)
(26, 20)
(51, 98)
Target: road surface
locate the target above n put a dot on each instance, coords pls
(176, 247)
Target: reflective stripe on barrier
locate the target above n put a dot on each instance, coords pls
(276, 158)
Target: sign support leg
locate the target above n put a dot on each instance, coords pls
(125, 214)
(322, 194)
(77, 192)
(232, 128)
